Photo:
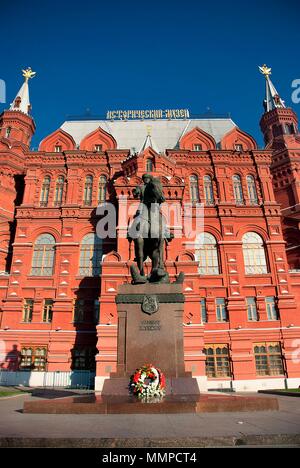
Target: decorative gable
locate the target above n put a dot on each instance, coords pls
(238, 140)
(197, 140)
(58, 141)
(98, 140)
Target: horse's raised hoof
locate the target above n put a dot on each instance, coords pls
(137, 278)
(180, 278)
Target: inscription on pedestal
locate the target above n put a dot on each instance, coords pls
(150, 328)
(149, 325)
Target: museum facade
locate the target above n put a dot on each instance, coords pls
(241, 263)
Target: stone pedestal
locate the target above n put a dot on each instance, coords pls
(150, 331)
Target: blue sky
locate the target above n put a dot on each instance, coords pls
(147, 55)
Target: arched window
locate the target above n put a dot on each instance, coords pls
(194, 188)
(238, 190)
(217, 362)
(45, 191)
(254, 254)
(33, 358)
(102, 189)
(268, 358)
(88, 190)
(206, 253)
(289, 129)
(90, 255)
(208, 190)
(252, 193)
(149, 165)
(59, 190)
(7, 132)
(43, 256)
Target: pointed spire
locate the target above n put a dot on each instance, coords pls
(149, 142)
(21, 102)
(272, 99)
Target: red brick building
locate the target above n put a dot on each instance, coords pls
(242, 271)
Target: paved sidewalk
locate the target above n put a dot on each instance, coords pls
(267, 427)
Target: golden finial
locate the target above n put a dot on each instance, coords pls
(266, 71)
(28, 73)
(149, 128)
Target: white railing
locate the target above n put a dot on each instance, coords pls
(69, 379)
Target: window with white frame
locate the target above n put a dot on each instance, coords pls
(268, 358)
(238, 189)
(59, 190)
(33, 358)
(221, 310)
(271, 307)
(88, 190)
(102, 189)
(254, 254)
(252, 193)
(203, 310)
(90, 255)
(251, 309)
(45, 191)
(43, 256)
(194, 188)
(48, 310)
(217, 363)
(27, 310)
(206, 253)
(208, 190)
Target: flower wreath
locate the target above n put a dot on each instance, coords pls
(147, 382)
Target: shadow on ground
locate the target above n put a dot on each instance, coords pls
(50, 393)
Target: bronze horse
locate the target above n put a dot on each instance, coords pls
(148, 231)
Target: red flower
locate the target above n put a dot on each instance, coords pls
(136, 377)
